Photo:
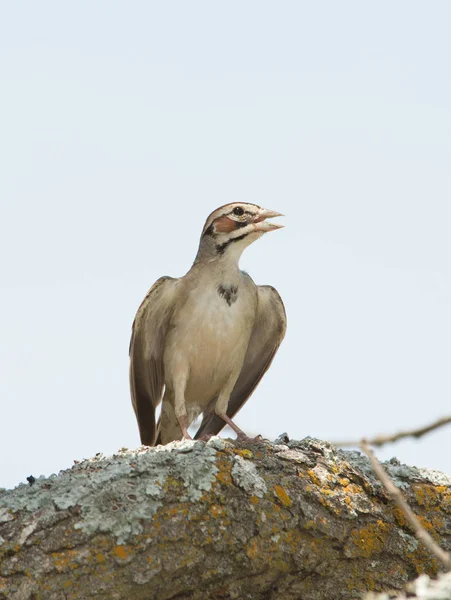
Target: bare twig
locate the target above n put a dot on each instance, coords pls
(382, 439)
(399, 500)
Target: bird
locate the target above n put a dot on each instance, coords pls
(201, 343)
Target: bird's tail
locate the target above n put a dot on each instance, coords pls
(143, 406)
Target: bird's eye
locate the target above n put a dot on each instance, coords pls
(238, 211)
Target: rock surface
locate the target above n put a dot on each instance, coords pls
(220, 520)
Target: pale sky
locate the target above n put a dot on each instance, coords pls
(123, 125)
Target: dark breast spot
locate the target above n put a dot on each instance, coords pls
(229, 293)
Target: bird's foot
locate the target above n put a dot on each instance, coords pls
(240, 435)
(245, 438)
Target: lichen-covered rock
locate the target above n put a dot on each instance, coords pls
(219, 520)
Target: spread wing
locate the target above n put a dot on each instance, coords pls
(146, 354)
(267, 335)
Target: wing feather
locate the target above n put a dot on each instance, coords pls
(267, 335)
(146, 354)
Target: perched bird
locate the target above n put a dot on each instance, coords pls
(206, 339)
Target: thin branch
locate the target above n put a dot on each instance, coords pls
(382, 439)
(399, 500)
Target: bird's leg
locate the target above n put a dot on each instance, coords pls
(179, 403)
(221, 410)
(184, 428)
(239, 432)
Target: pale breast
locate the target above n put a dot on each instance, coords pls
(210, 335)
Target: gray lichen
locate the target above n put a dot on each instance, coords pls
(402, 475)
(245, 475)
(115, 495)
(198, 470)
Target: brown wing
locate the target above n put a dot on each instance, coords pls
(146, 354)
(267, 335)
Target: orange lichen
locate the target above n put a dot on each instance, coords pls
(253, 500)
(361, 581)
(278, 549)
(244, 453)
(368, 540)
(252, 549)
(181, 509)
(337, 493)
(428, 526)
(352, 489)
(423, 561)
(400, 517)
(223, 475)
(65, 560)
(437, 498)
(216, 510)
(283, 495)
(314, 477)
(121, 551)
(268, 552)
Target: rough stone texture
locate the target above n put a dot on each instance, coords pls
(221, 520)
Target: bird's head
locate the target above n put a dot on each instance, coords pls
(232, 227)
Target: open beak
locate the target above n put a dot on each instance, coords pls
(262, 225)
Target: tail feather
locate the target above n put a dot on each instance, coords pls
(143, 406)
